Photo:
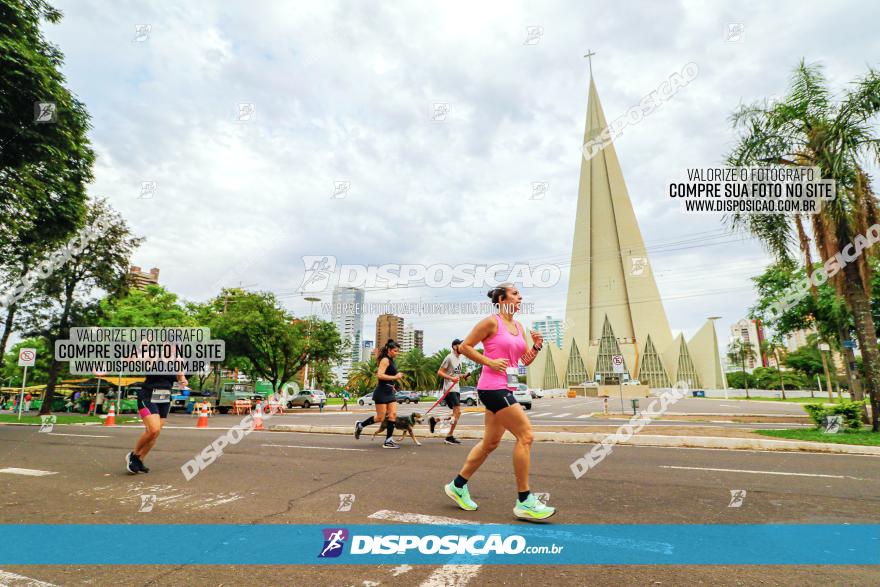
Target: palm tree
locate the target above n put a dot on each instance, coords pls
(772, 347)
(363, 375)
(416, 368)
(738, 352)
(807, 128)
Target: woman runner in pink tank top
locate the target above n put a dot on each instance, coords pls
(504, 346)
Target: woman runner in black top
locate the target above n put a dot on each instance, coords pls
(384, 394)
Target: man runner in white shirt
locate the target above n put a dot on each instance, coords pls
(450, 371)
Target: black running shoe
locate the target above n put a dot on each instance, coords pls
(131, 463)
(140, 465)
(390, 444)
(432, 422)
(452, 440)
(358, 428)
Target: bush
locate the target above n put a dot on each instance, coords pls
(851, 412)
(817, 413)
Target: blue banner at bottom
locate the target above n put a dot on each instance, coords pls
(288, 544)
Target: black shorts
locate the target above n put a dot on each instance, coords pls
(453, 399)
(384, 396)
(496, 400)
(146, 407)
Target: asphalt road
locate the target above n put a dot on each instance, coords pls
(289, 478)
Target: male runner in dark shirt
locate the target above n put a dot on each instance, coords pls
(153, 403)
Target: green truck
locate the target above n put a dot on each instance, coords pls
(231, 391)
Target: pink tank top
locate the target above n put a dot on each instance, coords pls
(501, 345)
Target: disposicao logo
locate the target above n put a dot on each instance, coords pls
(334, 541)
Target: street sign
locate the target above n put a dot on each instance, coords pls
(27, 357)
(617, 363)
(849, 344)
(824, 346)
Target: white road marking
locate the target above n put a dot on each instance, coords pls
(315, 447)
(447, 575)
(393, 516)
(86, 435)
(763, 472)
(13, 580)
(562, 415)
(451, 576)
(586, 416)
(28, 472)
(541, 415)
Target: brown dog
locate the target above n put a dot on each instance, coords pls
(405, 424)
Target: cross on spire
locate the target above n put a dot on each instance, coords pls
(589, 57)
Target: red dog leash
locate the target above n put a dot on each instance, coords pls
(442, 397)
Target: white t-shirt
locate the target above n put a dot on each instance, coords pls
(452, 365)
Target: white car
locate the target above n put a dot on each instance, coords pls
(632, 382)
(366, 400)
(523, 396)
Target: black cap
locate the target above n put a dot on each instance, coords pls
(456, 341)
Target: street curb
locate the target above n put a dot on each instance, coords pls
(634, 440)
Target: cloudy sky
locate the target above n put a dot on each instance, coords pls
(346, 92)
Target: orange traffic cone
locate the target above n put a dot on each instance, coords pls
(110, 420)
(258, 417)
(203, 417)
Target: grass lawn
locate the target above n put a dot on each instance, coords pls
(847, 437)
(64, 419)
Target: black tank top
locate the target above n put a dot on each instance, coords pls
(387, 386)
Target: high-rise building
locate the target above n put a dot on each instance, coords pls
(411, 339)
(367, 351)
(388, 326)
(613, 305)
(140, 279)
(347, 315)
(751, 333)
(552, 330)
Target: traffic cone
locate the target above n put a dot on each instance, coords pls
(110, 420)
(258, 417)
(203, 417)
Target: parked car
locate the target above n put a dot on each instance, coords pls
(523, 397)
(406, 397)
(307, 398)
(366, 400)
(632, 382)
(536, 392)
(469, 395)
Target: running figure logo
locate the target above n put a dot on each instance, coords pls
(318, 272)
(47, 423)
(737, 497)
(334, 540)
(346, 500)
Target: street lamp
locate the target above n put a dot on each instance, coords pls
(311, 301)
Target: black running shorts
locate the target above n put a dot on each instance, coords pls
(496, 400)
(453, 399)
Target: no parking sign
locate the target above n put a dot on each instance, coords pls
(617, 363)
(27, 357)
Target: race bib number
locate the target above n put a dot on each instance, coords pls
(161, 396)
(512, 378)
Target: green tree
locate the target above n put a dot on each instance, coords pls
(39, 373)
(417, 369)
(363, 377)
(44, 166)
(67, 296)
(151, 307)
(258, 330)
(809, 128)
(806, 360)
(739, 353)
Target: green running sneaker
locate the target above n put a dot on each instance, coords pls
(532, 509)
(462, 497)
